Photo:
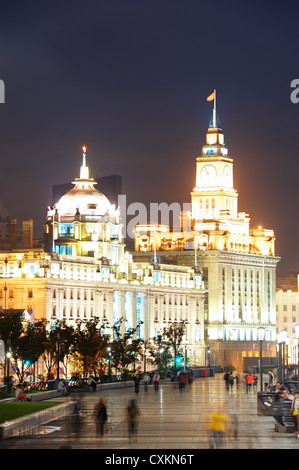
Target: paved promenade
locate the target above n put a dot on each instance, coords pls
(171, 419)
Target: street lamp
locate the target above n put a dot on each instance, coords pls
(58, 354)
(161, 351)
(185, 360)
(287, 342)
(261, 336)
(297, 337)
(109, 362)
(8, 356)
(281, 341)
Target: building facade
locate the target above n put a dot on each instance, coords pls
(238, 261)
(287, 311)
(84, 273)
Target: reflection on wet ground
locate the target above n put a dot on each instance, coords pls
(202, 416)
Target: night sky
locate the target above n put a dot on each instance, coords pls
(129, 79)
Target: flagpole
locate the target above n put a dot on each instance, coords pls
(214, 110)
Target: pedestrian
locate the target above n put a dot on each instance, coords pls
(254, 383)
(190, 378)
(100, 418)
(231, 381)
(156, 380)
(19, 393)
(239, 379)
(218, 429)
(146, 380)
(181, 377)
(266, 381)
(92, 384)
(133, 414)
(62, 387)
(226, 378)
(137, 381)
(74, 423)
(295, 412)
(248, 380)
(271, 376)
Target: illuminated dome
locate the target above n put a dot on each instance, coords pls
(83, 198)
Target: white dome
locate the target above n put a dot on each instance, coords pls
(88, 201)
(83, 198)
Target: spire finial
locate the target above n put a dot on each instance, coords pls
(212, 97)
(84, 171)
(214, 110)
(84, 155)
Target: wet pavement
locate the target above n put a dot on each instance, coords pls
(170, 419)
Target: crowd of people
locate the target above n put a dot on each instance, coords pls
(249, 380)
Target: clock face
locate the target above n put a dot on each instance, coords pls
(226, 171)
(208, 173)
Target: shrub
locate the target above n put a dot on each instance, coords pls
(229, 368)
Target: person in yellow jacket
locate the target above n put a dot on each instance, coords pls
(218, 428)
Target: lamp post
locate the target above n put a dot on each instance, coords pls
(261, 336)
(297, 337)
(287, 342)
(185, 358)
(8, 356)
(281, 341)
(58, 354)
(144, 366)
(109, 362)
(161, 351)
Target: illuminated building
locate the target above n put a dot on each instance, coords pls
(84, 272)
(287, 310)
(238, 262)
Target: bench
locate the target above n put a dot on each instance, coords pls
(291, 385)
(281, 411)
(264, 401)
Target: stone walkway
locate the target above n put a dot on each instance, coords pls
(171, 419)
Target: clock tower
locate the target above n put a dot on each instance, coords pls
(214, 191)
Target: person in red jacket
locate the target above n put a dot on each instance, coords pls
(249, 381)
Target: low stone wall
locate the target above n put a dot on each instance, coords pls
(26, 424)
(40, 396)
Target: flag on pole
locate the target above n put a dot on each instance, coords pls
(211, 97)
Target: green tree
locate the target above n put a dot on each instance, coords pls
(124, 346)
(60, 333)
(160, 352)
(11, 328)
(29, 346)
(89, 344)
(173, 336)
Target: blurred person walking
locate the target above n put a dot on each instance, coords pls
(226, 379)
(100, 418)
(133, 414)
(92, 383)
(254, 383)
(218, 429)
(231, 381)
(146, 381)
(137, 379)
(248, 381)
(156, 380)
(295, 412)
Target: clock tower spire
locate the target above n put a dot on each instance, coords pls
(214, 193)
